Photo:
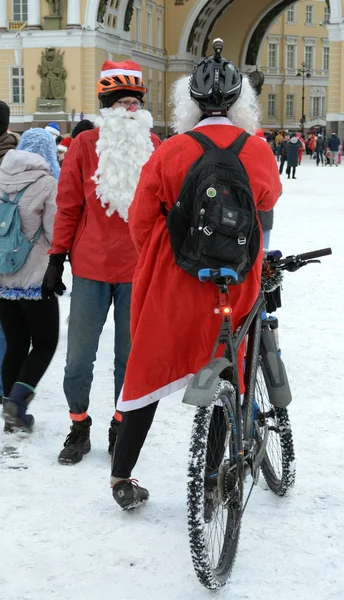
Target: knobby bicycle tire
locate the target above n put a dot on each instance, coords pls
(215, 490)
(278, 466)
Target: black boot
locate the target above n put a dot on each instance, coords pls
(113, 432)
(128, 494)
(77, 443)
(15, 407)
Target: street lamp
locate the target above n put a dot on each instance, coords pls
(303, 72)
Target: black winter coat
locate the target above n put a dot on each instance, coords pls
(284, 149)
(292, 156)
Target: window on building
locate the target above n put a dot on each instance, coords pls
(150, 95)
(318, 106)
(160, 109)
(272, 105)
(159, 31)
(17, 85)
(20, 10)
(326, 58)
(291, 56)
(309, 57)
(290, 105)
(291, 16)
(327, 15)
(138, 24)
(309, 14)
(272, 55)
(149, 29)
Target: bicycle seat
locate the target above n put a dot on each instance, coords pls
(215, 275)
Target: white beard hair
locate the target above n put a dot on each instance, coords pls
(123, 147)
(245, 112)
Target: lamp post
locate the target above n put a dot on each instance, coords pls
(303, 72)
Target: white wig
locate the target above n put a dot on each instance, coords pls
(244, 113)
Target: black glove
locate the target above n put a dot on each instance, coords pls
(52, 281)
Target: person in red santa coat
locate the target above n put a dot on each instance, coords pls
(173, 325)
(97, 185)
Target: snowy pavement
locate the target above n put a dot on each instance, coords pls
(62, 536)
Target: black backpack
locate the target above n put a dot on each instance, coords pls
(214, 222)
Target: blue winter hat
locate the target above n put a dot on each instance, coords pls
(53, 128)
(41, 142)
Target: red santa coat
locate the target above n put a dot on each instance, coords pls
(101, 247)
(173, 326)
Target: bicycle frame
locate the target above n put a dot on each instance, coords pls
(201, 388)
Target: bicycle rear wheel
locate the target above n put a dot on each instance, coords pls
(215, 489)
(278, 466)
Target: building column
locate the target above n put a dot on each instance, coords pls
(34, 14)
(3, 15)
(73, 14)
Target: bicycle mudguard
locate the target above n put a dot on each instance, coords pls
(274, 372)
(201, 388)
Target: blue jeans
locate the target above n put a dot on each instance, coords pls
(90, 303)
(2, 354)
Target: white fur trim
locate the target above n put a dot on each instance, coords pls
(166, 390)
(51, 130)
(62, 148)
(123, 147)
(111, 72)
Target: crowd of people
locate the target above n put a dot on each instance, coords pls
(289, 147)
(99, 198)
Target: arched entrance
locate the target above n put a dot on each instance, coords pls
(251, 22)
(95, 10)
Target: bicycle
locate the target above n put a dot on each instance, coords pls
(231, 437)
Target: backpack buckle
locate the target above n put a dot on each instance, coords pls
(208, 229)
(241, 240)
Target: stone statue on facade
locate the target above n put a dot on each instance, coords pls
(55, 8)
(53, 75)
(102, 10)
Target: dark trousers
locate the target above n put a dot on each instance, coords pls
(132, 433)
(282, 162)
(320, 157)
(28, 323)
(289, 170)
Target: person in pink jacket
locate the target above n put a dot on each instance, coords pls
(30, 323)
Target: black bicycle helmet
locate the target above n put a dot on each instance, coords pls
(215, 83)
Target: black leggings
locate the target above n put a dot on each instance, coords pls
(27, 322)
(133, 431)
(131, 437)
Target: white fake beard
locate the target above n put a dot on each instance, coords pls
(123, 147)
(244, 113)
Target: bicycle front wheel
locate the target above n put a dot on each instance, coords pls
(215, 489)
(278, 466)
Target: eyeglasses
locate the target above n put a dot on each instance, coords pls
(128, 103)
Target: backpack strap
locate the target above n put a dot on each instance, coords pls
(37, 235)
(5, 197)
(19, 195)
(239, 143)
(202, 139)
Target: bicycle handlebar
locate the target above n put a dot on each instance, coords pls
(315, 254)
(293, 263)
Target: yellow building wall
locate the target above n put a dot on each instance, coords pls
(7, 59)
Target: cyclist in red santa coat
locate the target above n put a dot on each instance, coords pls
(173, 326)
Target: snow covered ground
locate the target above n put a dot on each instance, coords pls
(62, 536)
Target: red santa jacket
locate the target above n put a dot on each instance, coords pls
(173, 326)
(101, 247)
